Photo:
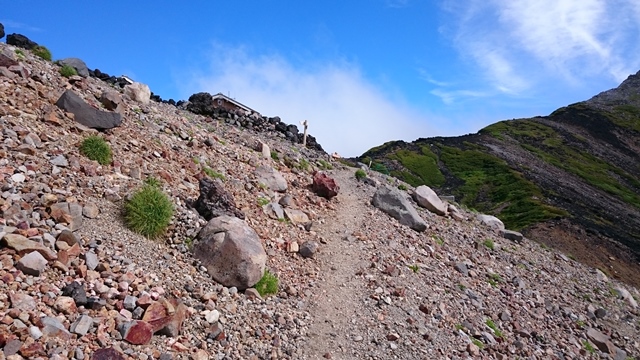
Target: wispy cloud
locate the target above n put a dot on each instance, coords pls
(453, 96)
(428, 78)
(397, 3)
(346, 112)
(11, 26)
(518, 44)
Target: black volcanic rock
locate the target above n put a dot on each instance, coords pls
(21, 41)
(1, 31)
(201, 103)
(215, 200)
(87, 115)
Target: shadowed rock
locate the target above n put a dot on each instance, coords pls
(87, 115)
(21, 41)
(393, 202)
(215, 201)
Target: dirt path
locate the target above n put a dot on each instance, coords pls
(336, 301)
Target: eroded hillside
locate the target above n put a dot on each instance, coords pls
(577, 170)
(371, 289)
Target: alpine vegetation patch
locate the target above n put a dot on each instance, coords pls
(96, 148)
(149, 211)
(42, 52)
(268, 284)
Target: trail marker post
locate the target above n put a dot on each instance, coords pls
(304, 123)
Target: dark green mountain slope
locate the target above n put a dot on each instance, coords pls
(580, 164)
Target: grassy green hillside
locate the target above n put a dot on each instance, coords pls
(581, 162)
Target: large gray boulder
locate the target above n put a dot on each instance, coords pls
(87, 115)
(231, 251)
(491, 221)
(138, 92)
(271, 178)
(429, 200)
(79, 65)
(393, 202)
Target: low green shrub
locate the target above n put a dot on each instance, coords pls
(325, 165)
(68, 71)
(42, 52)
(268, 285)
(494, 327)
(96, 148)
(214, 174)
(303, 165)
(274, 155)
(149, 211)
(489, 243)
(360, 174)
(402, 187)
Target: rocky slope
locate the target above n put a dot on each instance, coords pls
(374, 289)
(570, 180)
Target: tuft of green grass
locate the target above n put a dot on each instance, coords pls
(68, 71)
(439, 240)
(274, 155)
(42, 52)
(149, 211)
(325, 165)
(152, 181)
(360, 174)
(489, 244)
(213, 174)
(268, 284)
(477, 343)
(462, 287)
(494, 279)
(263, 201)
(494, 327)
(402, 187)
(589, 347)
(303, 165)
(96, 148)
(20, 53)
(415, 268)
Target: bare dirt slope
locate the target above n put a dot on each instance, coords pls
(337, 300)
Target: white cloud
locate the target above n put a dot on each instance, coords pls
(346, 112)
(450, 97)
(11, 26)
(520, 44)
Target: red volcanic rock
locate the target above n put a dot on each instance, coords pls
(325, 186)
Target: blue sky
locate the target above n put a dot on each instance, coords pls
(361, 72)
